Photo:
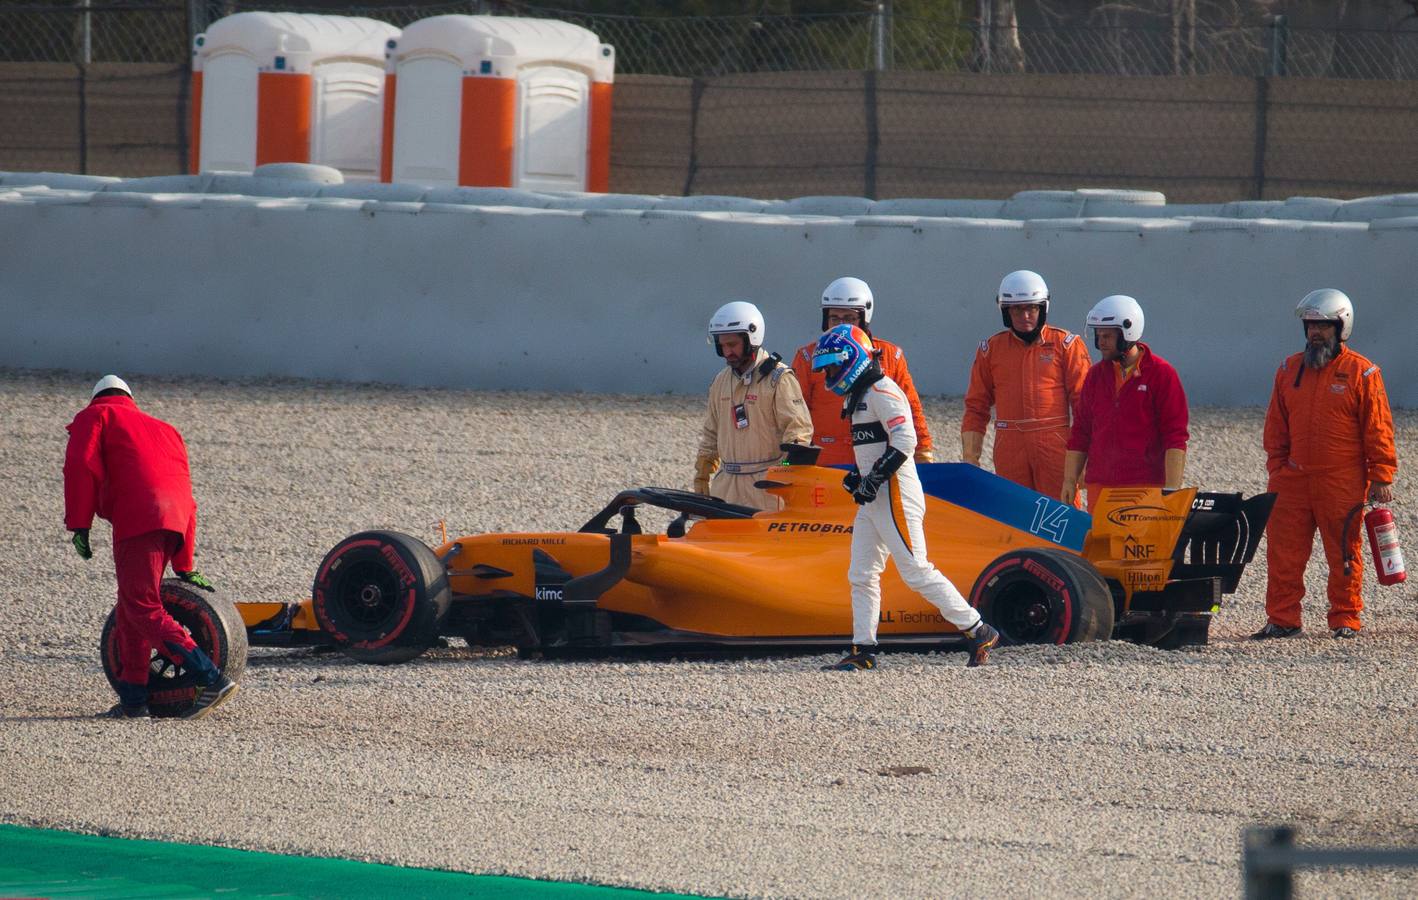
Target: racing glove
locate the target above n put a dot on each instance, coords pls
(880, 473)
(80, 540)
(851, 480)
(197, 580)
(866, 489)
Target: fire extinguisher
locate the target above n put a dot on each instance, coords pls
(1383, 543)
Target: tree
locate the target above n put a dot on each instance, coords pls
(1000, 50)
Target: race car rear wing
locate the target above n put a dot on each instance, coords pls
(1220, 537)
(1175, 551)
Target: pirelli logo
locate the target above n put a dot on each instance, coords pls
(1043, 574)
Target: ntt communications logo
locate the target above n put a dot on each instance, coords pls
(1138, 515)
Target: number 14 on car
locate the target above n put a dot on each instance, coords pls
(1050, 519)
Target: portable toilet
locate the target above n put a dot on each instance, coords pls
(288, 87)
(497, 101)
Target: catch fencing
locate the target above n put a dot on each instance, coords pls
(102, 89)
(708, 46)
(862, 104)
(927, 134)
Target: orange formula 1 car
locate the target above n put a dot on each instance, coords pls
(1151, 567)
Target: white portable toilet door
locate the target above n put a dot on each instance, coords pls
(229, 97)
(553, 115)
(428, 115)
(347, 118)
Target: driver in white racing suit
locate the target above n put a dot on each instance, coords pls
(885, 485)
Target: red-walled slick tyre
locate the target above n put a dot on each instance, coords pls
(214, 625)
(381, 595)
(1044, 596)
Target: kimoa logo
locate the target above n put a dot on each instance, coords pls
(551, 592)
(1133, 515)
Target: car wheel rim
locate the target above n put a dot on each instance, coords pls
(367, 594)
(163, 673)
(1025, 613)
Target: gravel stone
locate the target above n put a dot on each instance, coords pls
(1106, 769)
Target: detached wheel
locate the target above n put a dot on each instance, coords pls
(382, 596)
(1044, 596)
(214, 625)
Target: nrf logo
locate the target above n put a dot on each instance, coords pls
(554, 593)
(1135, 549)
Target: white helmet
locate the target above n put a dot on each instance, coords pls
(737, 317)
(110, 381)
(1023, 288)
(1117, 311)
(1328, 305)
(848, 293)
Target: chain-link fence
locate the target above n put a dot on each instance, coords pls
(101, 89)
(701, 47)
(123, 33)
(864, 104)
(709, 46)
(706, 46)
(926, 134)
(1270, 50)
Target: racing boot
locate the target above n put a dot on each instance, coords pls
(1344, 632)
(210, 697)
(983, 639)
(216, 688)
(1271, 630)
(132, 702)
(863, 657)
(123, 711)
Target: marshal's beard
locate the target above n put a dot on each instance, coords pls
(1319, 353)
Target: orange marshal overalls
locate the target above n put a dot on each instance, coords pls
(1328, 435)
(1033, 388)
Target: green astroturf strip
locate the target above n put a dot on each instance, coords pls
(36, 862)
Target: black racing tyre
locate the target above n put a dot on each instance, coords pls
(381, 595)
(1044, 596)
(215, 626)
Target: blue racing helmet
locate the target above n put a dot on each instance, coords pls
(845, 352)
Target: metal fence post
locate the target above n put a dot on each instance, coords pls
(873, 137)
(86, 28)
(878, 57)
(1262, 115)
(696, 93)
(888, 34)
(1279, 46)
(987, 35)
(881, 25)
(83, 84)
(196, 22)
(1265, 879)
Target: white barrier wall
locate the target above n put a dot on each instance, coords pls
(616, 300)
